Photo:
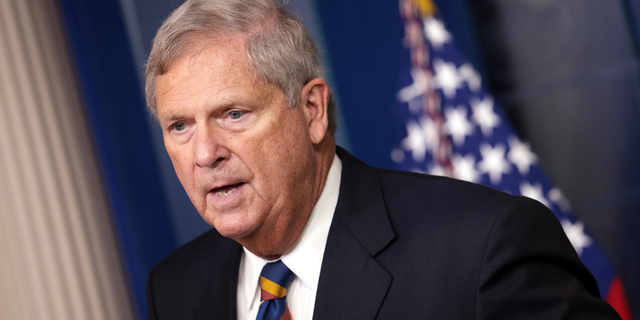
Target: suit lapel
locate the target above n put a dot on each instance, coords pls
(352, 284)
(219, 271)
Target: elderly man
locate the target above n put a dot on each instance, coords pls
(248, 123)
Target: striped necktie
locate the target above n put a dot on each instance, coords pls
(274, 280)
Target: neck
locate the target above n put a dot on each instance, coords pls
(264, 244)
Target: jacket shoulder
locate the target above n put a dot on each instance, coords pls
(176, 283)
(435, 192)
(193, 252)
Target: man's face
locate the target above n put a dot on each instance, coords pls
(245, 159)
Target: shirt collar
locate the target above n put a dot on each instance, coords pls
(305, 258)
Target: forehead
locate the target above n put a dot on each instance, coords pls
(207, 69)
(212, 57)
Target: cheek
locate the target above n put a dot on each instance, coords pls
(279, 148)
(267, 143)
(290, 151)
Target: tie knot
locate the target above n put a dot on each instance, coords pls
(274, 280)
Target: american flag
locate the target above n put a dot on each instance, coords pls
(449, 125)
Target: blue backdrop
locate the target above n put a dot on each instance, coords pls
(110, 40)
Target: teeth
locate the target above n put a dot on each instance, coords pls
(224, 194)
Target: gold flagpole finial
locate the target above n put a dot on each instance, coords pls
(425, 7)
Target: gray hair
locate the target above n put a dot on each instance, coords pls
(279, 49)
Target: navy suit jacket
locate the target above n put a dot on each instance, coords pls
(407, 246)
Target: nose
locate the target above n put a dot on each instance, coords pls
(210, 147)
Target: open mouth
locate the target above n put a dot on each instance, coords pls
(226, 190)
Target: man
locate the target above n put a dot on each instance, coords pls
(248, 123)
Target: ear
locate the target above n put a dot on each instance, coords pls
(314, 99)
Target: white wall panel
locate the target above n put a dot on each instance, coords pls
(59, 258)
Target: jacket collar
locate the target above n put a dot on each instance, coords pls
(352, 283)
(218, 269)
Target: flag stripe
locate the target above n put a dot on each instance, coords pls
(618, 299)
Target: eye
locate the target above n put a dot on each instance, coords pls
(179, 126)
(235, 114)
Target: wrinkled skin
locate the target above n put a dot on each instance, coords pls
(252, 166)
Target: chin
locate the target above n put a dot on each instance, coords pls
(231, 234)
(232, 229)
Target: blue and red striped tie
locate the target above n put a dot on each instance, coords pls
(274, 280)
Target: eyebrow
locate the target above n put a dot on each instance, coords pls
(170, 118)
(212, 108)
(165, 122)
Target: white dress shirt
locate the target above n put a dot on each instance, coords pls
(304, 259)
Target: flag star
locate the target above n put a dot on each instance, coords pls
(436, 170)
(397, 155)
(533, 192)
(435, 32)
(521, 155)
(447, 78)
(417, 170)
(420, 138)
(414, 141)
(464, 168)
(556, 196)
(430, 133)
(484, 116)
(418, 87)
(456, 124)
(493, 162)
(416, 106)
(469, 74)
(575, 233)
